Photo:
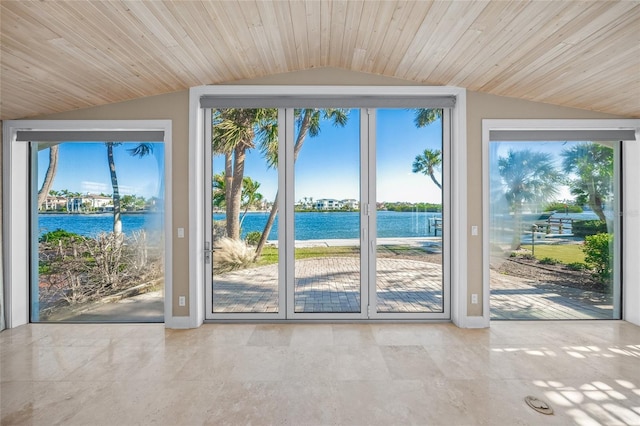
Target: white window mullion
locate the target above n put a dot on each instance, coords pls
(286, 225)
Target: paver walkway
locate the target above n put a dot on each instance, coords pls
(332, 284)
(404, 285)
(523, 299)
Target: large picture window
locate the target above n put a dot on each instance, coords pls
(554, 225)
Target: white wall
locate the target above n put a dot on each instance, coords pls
(631, 231)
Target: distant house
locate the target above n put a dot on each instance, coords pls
(328, 204)
(351, 204)
(99, 202)
(54, 203)
(89, 202)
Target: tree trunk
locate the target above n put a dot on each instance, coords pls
(595, 202)
(233, 217)
(117, 220)
(433, 178)
(228, 185)
(267, 226)
(49, 176)
(516, 242)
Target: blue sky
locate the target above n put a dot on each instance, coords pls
(83, 167)
(329, 164)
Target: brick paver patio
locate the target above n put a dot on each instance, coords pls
(331, 284)
(522, 299)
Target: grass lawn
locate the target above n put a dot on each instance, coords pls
(270, 254)
(565, 253)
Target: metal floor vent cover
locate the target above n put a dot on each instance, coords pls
(539, 405)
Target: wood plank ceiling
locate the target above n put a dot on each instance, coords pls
(63, 55)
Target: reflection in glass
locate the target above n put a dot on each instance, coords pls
(552, 230)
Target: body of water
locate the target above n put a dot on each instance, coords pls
(90, 225)
(308, 225)
(339, 225)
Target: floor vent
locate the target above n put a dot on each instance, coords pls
(538, 405)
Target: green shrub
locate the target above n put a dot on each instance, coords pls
(548, 261)
(582, 228)
(59, 235)
(253, 238)
(597, 255)
(576, 266)
(562, 208)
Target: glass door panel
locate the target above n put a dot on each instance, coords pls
(554, 230)
(327, 211)
(409, 213)
(97, 220)
(244, 206)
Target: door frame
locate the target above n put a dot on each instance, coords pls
(458, 184)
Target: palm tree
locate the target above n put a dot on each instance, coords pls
(527, 176)
(140, 150)
(117, 219)
(430, 160)
(307, 123)
(426, 116)
(427, 163)
(234, 132)
(218, 190)
(593, 164)
(52, 168)
(250, 195)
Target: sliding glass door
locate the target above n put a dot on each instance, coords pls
(411, 220)
(242, 254)
(327, 228)
(327, 213)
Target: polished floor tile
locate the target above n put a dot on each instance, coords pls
(320, 374)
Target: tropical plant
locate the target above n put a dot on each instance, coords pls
(308, 122)
(250, 195)
(140, 150)
(593, 165)
(253, 237)
(597, 255)
(234, 132)
(527, 176)
(429, 161)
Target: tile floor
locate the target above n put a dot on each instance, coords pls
(313, 374)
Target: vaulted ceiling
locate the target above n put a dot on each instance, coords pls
(60, 55)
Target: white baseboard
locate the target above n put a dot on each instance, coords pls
(178, 323)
